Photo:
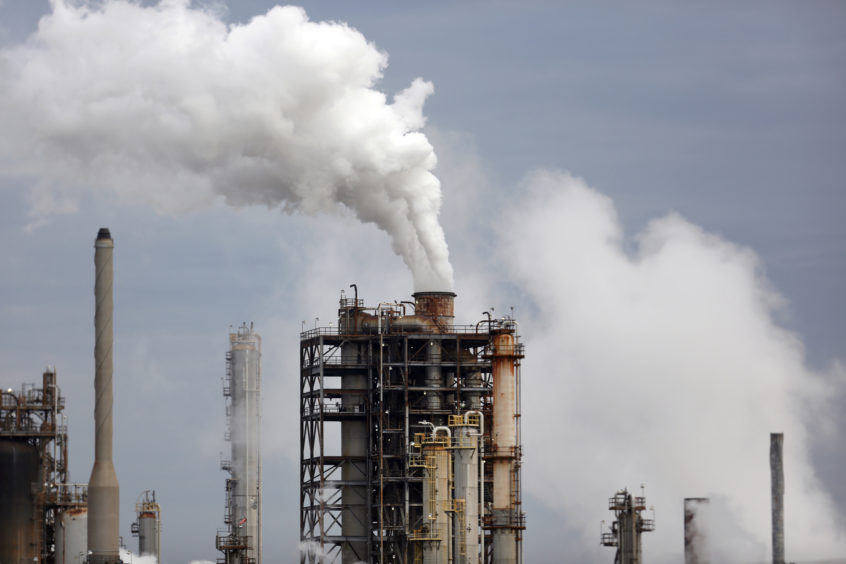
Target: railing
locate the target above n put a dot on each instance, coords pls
(335, 331)
(647, 525)
(608, 539)
(335, 408)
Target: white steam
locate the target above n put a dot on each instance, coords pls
(132, 558)
(660, 365)
(169, 106)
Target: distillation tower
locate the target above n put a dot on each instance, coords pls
(39, 506)
(240, 542)
(410, 436)
(627, 527)
(148, 525)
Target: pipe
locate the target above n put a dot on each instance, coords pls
(441, 428)
(103, 488)
(481, 435)
(777, 493)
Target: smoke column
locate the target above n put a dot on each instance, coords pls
(673, 372)
(170, 106)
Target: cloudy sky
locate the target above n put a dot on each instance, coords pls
(657, 190)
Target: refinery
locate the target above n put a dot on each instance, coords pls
(410, 449)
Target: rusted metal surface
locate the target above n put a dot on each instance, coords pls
(435, 304)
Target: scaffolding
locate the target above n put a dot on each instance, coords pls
(368, 389)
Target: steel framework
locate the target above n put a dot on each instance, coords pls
(34, 418)
(373, 374)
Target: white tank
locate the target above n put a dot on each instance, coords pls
(72, 536)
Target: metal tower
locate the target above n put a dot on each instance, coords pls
(627, 527)
(240, 542)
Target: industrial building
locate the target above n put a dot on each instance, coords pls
(43, 517)
(410, 436)
(240, 541)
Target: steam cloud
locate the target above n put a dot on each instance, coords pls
(169, 106)
(667, 369)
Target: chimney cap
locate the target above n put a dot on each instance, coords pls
(104, 233)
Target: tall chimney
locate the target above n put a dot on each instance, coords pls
(696, 530)
(777, 489)
(103, 489)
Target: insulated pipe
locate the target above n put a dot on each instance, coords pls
(481, 439)
(777, 492)
(103, 488)
(466, 487)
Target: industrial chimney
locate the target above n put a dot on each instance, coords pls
(777, 492)
(696, 549)
(103, 489)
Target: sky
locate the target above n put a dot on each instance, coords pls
(656, 190)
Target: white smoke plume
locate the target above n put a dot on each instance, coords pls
(170, 106)
(659, 361)
(132, 558)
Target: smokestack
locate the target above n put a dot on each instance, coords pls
(103, 489)
(695, 530)
(777, 492)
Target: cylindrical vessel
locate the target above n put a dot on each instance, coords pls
(18, 527)
(72, 536)
(436, 502)
(103, 489)
(696, 530)
(504, 516)
(777, 490)
(246, 437)
(466, 492)
(148, 534)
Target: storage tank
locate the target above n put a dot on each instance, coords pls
(18, 528)
(72, 536)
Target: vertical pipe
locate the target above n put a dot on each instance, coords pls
(103, 489)
(777, 492)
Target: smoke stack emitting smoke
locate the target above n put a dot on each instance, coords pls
(169, 106)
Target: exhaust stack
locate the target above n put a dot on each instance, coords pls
(777, 492)
(103, 489)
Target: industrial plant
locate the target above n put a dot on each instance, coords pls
(410, 436)
(410, 449)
